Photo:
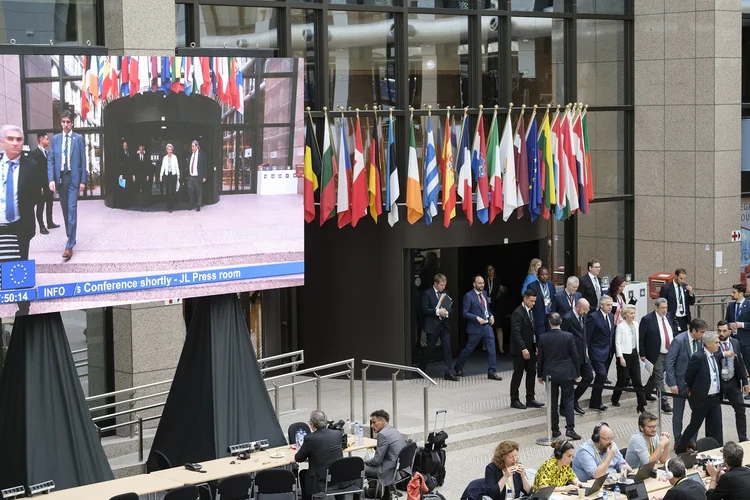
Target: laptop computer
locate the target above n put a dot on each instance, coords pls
(697, 478)
(635, 491)
(597, 485)
(688, 458)
(543, 493)
(643, 473)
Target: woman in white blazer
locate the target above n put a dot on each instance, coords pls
(628, 361)
(169, 175)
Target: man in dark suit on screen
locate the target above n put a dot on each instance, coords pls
(733, 376)
(558, 359)
(196, 175)
(590, 283)
(143, 170)
(44, 205)
(436, 306)
(320, 449)
(479, 323)
(66, 173)
(680, 297)
(738, 317)
(575, 323)
(523, 342)
(600, 329)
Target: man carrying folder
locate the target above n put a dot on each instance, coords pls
(436, 306)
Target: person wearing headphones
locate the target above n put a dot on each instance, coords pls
(557, 471)
(682, 488)
(599, 455)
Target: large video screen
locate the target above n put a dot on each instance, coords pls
(128, 179)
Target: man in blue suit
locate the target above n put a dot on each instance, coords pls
(738, 317)
(575, 323)
(479, 321)
(66, 173)
(600, 329)
(544, 290)
(681, 350)
(564, 301)
(680, 297)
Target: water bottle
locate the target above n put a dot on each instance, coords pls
(361, 435)
(302, 435)
(355, 426)
(616, 496)
(347, 427)
(604, 495)
(298, 438)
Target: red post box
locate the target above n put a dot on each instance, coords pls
(656, 281)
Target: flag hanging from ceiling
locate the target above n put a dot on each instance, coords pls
(449, 179)
(327, 176)
(414, 208)
(392, 189)
(463, 166)
(532, 156)
(359, 181)
(312, 170)
(431, 180)
(494, 171)
(373, 184)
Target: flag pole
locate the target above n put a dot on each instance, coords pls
(481, 108)
(546, 114)
(466, 114)
(315, 136)
(330, 132)
(507, 118)
(557, 114)
(518, 123)
(585, 108)
(533, 116)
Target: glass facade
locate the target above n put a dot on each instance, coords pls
(50, 22)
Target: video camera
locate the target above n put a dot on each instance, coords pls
(339, 426)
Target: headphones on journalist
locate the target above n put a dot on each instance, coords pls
(559, 450)
(597, 429)
(668, 472)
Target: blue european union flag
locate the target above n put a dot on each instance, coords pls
(17, 274)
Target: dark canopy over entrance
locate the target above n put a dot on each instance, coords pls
(218, 397)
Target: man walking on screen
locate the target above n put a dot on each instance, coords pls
(196, 176)
(66, 173)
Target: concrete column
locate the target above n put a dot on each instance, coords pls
(139, 27)
(687, 141)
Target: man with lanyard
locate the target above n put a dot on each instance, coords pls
(599, 455)
(682, 489)
(679, 297)
(565, 300)
(733, 376)
(479, 321)
(703, 380)
(738, 317)
(644, 446)
(544, 290)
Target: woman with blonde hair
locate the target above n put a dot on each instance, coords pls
(505, 467)
(531, 277)
(628, 360)
(556, 471)
(169, 175)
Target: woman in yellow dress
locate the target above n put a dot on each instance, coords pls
(557, 470)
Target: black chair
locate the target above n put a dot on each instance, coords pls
(160, 462)
(345, 471)
(404, 467)
(125, 496)
(473, 490)
(623, 451)
(236, 487)
(705, 444)
(275, 484)
(189, 492)
(292, 431)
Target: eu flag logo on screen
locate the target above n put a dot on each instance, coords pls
(18, 274)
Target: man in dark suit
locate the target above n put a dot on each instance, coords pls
(679, 297)
(600, 329)
(523, 342)
(738, 317)
(657, 330)
(435, 311)
(39, 155)
(320, 449)
(479, 322)
(143, 169)
(681, 350)
(126, 174)
(575, 323)
(682, 489)
(734, 483)
(590, 283)
(544, 290)
(196, 175)
(733, 376)
(565, 300)
(66, 173)
(558, 359)
(703, 380)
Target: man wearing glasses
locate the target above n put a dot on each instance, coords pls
(645, 446)
(66, 173)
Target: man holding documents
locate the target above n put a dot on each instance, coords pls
(479, 321)
(436, 307)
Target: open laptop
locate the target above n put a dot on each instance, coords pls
(697, 478)
(597, 485)
(688, 458)
(644, 472)
(543, 493)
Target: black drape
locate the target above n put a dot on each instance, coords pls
(46, 432)
(218, 397)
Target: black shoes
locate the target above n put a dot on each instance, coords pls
(451, 377)
(615, 403)
(556, 434)
(494, 376)
(533, 403)
(459, 373)
(52, 225)
(598, 408)
(43, 230)
(640, 409)
(572, 434)
(518, 405)
(577, 408)
(649, 397)
(666, 408)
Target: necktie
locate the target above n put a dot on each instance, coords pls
(737, 309)
(666, 333)
(192, 166)
(714, 369)
(570, 299)
(65, 152)
(695, 347)
(45, 152)
(609, 325)
(725, 348)
(679, 292)
(141, 155)
(580, 319)
(531, 318)
(10, 196)
(481, 300)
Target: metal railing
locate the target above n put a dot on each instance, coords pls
(366, 363)
(699, 303)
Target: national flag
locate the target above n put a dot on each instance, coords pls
(219, 78)
(449, 176)
(106, 79)
(580, 159)
(114, 77)
(134, 76)
(479, 166)
(548, 172)
(464, 167)
(18, 274)
(125, 76)
(166, 78)
(213, 71)
(414, 210)
(206, 82)
(85, 105)
(187, 63)
(359, 178)
(569, 168)
(559, 176)
(373, 185)
(93, 73)
(393, 191)
(535, 185)
(176, 73)
(240, 82)
(343, 185)
(197, 75)
(139, 74)
(100, 75)
(430, 179)
(522, 166)
(494, 171)
(154, 74)
(234, 96)
(507, 165)
(312, 169)
(327, 175)
(587, 156)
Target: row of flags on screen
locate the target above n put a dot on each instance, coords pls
(110, 77)
(544, 168)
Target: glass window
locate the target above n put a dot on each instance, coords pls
(41, 66)
(42, 106)
(275, 148)
(438, 60)
(442, 4)
(601, 62)
(537, 53)
(361, 59)
(179, 11)
(366, 2)
(601, 235)
(41, 21)
(600, 6)
(245, 27)
(490, 63)
(93, 163)
(303, 28)
(230, 177)
(606, 132)
(537, 5)
(277, 100)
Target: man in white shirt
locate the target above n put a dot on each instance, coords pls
(196, 175)
(738, 317)
(590, 284)
(657, 330)
(733, 376)
(680, 297)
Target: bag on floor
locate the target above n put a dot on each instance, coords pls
(431, 459)
(421, 488)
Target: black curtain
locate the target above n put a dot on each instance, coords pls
(46, 432)
(218, 397)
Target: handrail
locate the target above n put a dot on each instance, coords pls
(79, 351)
(122, 391)
(366, 363)
(309, 370)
